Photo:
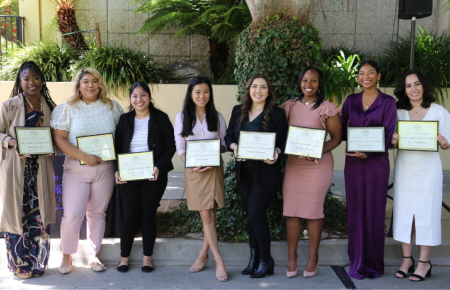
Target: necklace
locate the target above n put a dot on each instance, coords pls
(31, 105)
(307, 103)
(367, 106)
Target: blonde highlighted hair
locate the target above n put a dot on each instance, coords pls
(76, 94)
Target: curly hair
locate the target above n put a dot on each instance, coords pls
(76, 94)
(403, 101)
(17, 88)
(247, 101)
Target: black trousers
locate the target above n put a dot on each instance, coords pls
(140, 201)
(256, 200)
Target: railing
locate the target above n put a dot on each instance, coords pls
(12, 33)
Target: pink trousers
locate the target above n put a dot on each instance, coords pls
(86, 191)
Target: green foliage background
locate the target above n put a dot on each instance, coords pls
(120, 66)
(280, 48)
(431, 57)
(54, 61)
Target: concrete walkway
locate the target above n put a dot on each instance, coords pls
(172, 277)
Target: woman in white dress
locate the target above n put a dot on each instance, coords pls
(418, 177)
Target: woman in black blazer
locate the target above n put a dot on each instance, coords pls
(143, 128)
(258, 181)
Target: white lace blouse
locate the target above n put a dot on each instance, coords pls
(81, 119)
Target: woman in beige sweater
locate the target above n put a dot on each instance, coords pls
(27, 201)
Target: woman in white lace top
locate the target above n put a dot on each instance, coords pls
(86, 188)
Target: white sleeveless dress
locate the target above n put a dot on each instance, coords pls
(418, 183)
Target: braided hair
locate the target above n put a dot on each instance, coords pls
(17, 89)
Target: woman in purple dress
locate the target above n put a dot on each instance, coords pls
(367, 175)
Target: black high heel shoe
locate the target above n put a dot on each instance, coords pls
(410, 269)
(420, 277)
(253, 263)
(265, 267)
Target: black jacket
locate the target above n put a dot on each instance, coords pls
(266, 173)
(160, 138)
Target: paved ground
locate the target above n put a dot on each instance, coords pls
(178, 278)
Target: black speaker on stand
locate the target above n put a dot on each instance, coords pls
(414, 9)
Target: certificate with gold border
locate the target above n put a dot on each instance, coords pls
(204, 153)
(418, 135)
(303, 141)
(34, 140)
(101, 145)
(136, 166)
(256, 145)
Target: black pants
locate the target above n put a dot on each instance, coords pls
(256, 200)
(140, 200)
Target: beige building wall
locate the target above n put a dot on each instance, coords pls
(169, 98)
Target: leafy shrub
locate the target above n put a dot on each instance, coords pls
(121, 67)
(227, 77)
(280, 48)
(329, 55)
(340, 76)
(54, 61)
(431, 56)
(232, 219)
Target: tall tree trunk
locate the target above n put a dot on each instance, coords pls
(218, 56)
(261, 9)
(68, 23)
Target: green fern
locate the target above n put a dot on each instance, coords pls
(221, 20)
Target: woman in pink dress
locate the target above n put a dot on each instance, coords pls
(306, 180)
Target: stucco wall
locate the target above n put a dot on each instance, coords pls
(366, 24)
(169, 98)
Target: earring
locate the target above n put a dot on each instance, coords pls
(359, 86)
(378, 84)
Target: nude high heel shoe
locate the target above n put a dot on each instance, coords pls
(198, 269)
(307, 274)
(293, 273)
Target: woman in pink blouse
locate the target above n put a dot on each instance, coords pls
(199, 120)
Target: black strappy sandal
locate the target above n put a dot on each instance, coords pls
(410, 269)
(420, 277)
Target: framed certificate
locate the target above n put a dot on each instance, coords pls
(302, 141)
(366, 139)
(204, 153)
(100, 145)
(256, 145)
(136, 166)
(418, 135)
(34, 140)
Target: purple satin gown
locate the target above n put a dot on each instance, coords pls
(366, 185)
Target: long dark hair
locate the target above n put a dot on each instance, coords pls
(145, 87)
(403, 101)
(188, 113)
(320, 92)
(17, 89)
(247, 101)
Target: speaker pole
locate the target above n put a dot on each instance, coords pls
(413, 38)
